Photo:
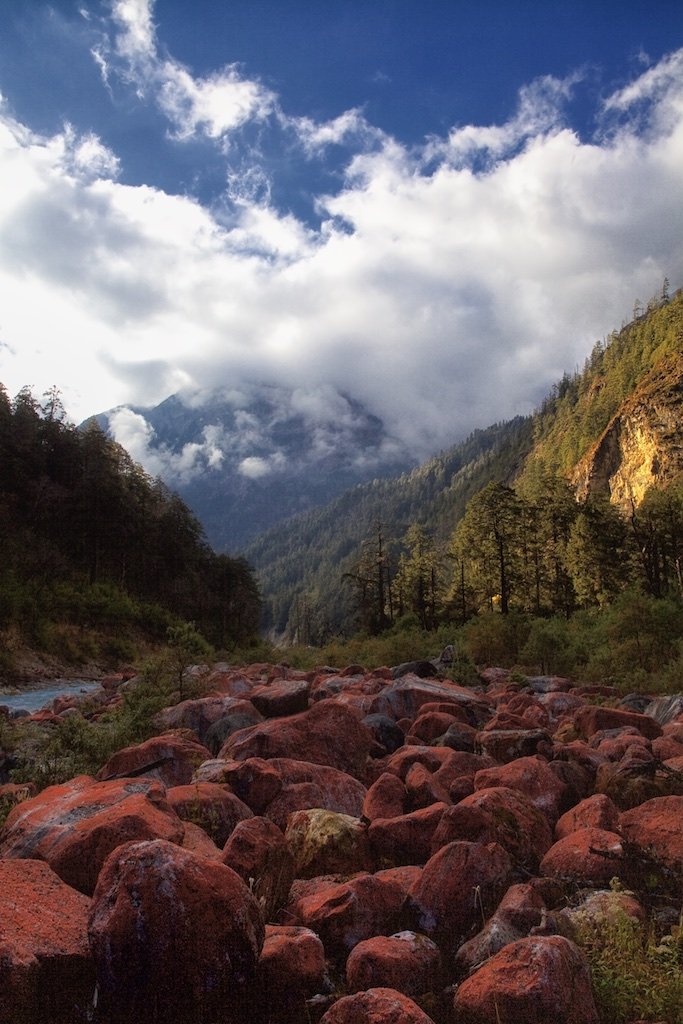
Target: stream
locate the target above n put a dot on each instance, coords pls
(33, 700)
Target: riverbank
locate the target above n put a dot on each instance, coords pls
(34, 670)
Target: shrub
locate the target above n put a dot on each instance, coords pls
(634, 975)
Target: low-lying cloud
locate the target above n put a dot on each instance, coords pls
(445, 286)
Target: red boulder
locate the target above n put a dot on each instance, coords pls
(46, 971)
(407, 961)
(75, 826)
(174, 937)
(534, 980)
(376, 1006)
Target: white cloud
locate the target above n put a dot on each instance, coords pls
(136, 435)
(215, 105)
(448, 286)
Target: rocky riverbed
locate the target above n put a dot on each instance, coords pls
(348, 847)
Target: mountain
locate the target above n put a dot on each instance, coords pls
(613, 429)
(641, 447)
(244, 460)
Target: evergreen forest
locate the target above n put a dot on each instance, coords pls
(94, 554)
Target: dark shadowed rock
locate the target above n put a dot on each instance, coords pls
(385, 732)
(174, 937)
(258, 851)
(459, 886)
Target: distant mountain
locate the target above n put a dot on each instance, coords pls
(615, 428)
(244, 460)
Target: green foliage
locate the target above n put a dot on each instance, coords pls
(634, 976)
(493, 639)
(88, 540)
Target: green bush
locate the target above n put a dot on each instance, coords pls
(634, 976)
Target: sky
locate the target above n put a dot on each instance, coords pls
(434, 207)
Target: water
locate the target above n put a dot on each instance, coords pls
(34, 700)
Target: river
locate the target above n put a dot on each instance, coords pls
(33, 700)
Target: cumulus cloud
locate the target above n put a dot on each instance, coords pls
(215, 105)
(446, 286)
(137, 436)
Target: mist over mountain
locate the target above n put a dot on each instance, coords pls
(247, 458)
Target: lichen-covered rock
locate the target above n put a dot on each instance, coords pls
(498, 815)
(591, 719)
(408, 962)
(589, 856)
(596, 811)
(258, 851)
(460, 885)
(327, 733)
(213, 807)
(170, 759)
(385, 798)
(656, 827)
(346, 913)
(46, 971)
(76, 825)
(174, 936)
(534, 980)
(531, 776)
(407, 838)
(306, 785)
(291, 969)
(376, 1006)
(323, 843)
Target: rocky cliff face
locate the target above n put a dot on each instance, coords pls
(642, 446)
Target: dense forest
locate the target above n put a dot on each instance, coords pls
(90, 544)
(355, 564)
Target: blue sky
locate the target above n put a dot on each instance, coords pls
(435, 207)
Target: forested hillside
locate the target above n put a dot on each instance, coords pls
(90, 545)
(390, 547)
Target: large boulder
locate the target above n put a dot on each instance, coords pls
(596, 811)
(325, 843)
(531, 776)
(169, 759)
(406, 838)
(655, 827)
(46, 971)
(376, 1006)
(592, 719)
(306, 785)
(327, 733)
(291, 969)
(498, 815)
(589, 856)
(534, 981)
(344, 914)
(174, 937)
(459, 887)
(259, 853)
(75, 826)
(407, 961)
(213, 807)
